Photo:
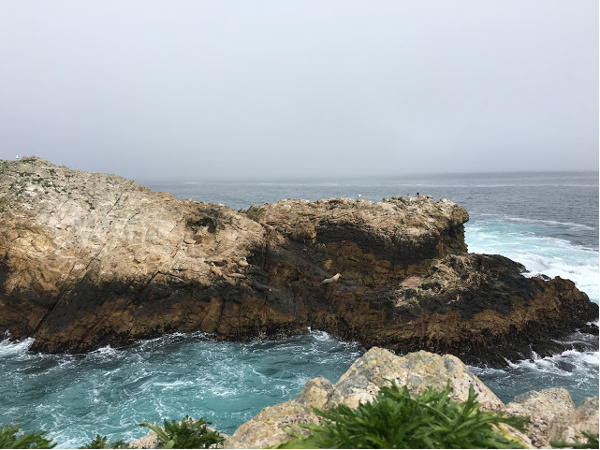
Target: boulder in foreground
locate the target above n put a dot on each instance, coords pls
(553, 414)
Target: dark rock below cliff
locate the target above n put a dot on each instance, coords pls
(88, 260)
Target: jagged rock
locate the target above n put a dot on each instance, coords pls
(416, 371)
(96, 259)
(272, 425)
(88, 260)
(151, 440)
(360, 384)
(553, 414)
(148, 441)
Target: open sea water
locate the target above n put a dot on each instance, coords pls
(546, 221)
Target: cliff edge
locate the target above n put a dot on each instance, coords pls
(89, 259)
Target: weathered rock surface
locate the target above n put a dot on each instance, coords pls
(88, 260)
(553, 414)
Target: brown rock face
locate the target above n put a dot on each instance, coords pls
(88, 260)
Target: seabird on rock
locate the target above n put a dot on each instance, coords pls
(242, 262)
(214, 269)
(237, 275)
(333, 279)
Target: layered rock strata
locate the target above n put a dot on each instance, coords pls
(89, 259)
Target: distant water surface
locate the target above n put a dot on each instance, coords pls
(547, 221)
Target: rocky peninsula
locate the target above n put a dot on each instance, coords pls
(90, 259)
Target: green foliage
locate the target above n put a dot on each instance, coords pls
(255, 213)
(188, 433)
(103, 442)
(11, 438)
(395, 420)
(592, 442)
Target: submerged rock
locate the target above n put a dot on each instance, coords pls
(89, 259)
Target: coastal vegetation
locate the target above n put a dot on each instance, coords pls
(592, 442)
(12, 437)
(395, 420)
(104, 442)
(188, 433)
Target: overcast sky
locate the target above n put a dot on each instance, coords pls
(196, 89)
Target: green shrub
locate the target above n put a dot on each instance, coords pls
(103, 442)
(395, 420)
(592, 442)
(11, 438)
(188, 433)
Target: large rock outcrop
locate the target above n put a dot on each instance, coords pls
(553, 415)
(89, 259)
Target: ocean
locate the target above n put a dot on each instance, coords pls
(546, 221)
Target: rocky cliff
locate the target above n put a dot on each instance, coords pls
(89, 259)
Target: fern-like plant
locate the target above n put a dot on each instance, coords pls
(103, 442)
(11, 438)
(395, 420)
(592, 442)
(187, 433)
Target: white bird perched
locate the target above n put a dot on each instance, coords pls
(17, 156)
(333, 279)
(242, 262)
(214, 269)
(240, 276)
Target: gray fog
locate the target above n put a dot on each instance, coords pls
(267, 89)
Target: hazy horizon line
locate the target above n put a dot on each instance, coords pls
(288, 178)
(272, 178)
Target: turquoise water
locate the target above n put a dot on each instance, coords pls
(111, 391)
(548, 222)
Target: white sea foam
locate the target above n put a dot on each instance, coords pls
(222, 391)
(573, 370)
(539, 254)
(103, 352)
(548, 222)
(570, 363)
(11, 348)
(320, 335)
(173, 384)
